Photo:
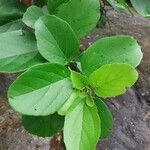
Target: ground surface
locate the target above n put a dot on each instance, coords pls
(131, 111)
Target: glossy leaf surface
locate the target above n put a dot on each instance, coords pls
(115, 49)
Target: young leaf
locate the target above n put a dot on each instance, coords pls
(44, 126)
(40, 91)
(32, 14)
(12, 26)
(63, 110)
(54, 4)
(18, 51)
(10, 10)
(79, 81)
(89, 100)
(56, 40)
(142, 7)
(82, 128)
(82, 15)
(106, 118)
(113, 79)
(115, 49)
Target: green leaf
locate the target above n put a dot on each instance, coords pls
(79, 81)
(102, 21)
(119, 5)
(106, 118)
(10, 10)
(44, 126)
(142, 7)
(32, 14)
(115, 49)
(18, 51)
(12, 26)
(74, 103)
(113, 79)
(56, 40)
(89, 100)
(82, 15)
(63, 110)
(82, 128)
(87, 96)
(54, 4)
(40, 91)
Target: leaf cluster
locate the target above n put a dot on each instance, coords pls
(62, 88)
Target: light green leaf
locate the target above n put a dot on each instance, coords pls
(113, 79)
(63, 110)
(89, 100)
(12, 26)
(54, 4)
(32, 14)
(44, 126)
(82, 128)
(106, 118)
(18, 51)
(56, 40)
(40, 91)
(115, 49)
(79, 81)
(142, 7)
(74, 104)
(82, 15)
(10, 10)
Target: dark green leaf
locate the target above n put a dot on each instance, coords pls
(18, 51)
(82, 15)
(40, 2)
(12, 26)
(106, 118)
(40, 91)
(10, 10)
(44, 126)
(54, 4)
(115, 49)
(56, 40)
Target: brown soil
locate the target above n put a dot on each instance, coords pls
(131, 111)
